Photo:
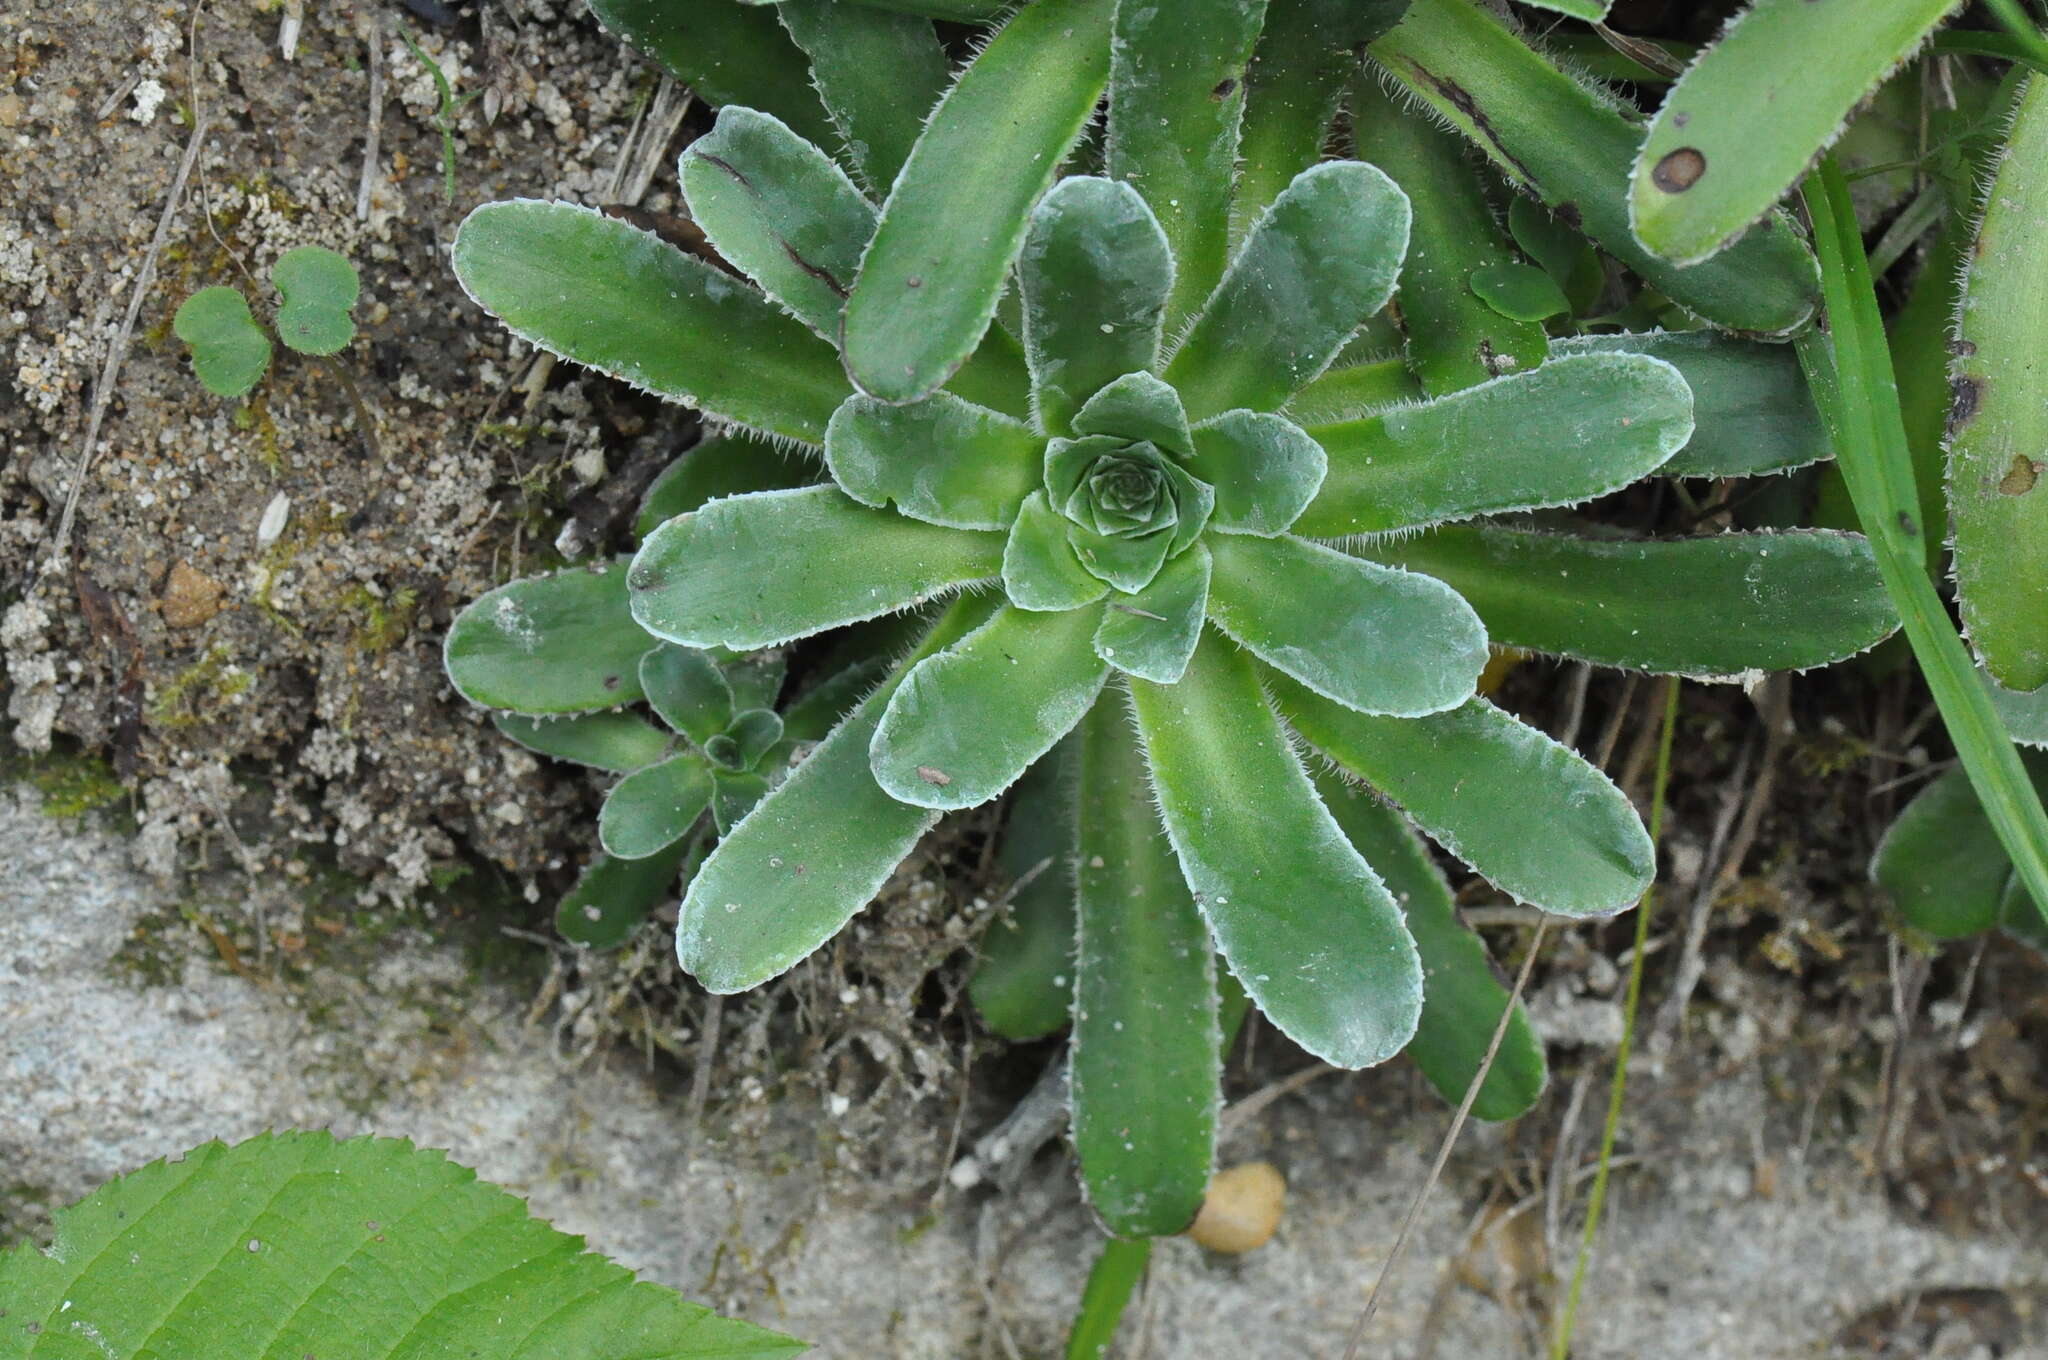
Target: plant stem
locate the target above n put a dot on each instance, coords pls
(1596, 1203)
(2022, 28)
(1849, 368)
(1116, 1273)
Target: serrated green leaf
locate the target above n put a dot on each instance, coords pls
(1379, 641)
(1576, 428)
(777, 207)
(1176, 96)
(733, 796)
(1023, 985)
(1265, 468)
(1153, 632)
(1455, 339)
(1094, 276)
(618, 741)
(1319, 261)
(817, 710)
(1302, 920)
(549, 644)
(959, 11)
(941, 460)
(1707, 608)
(1139, 407)
(956, 217)
(1747, 118)
(297, 1244)
(810, 854)
(1040, 570)
(1529, 815)
(230, 352)
(318, 287)
(1752, 412)
(968, 721)
(878, 73)
(1998, 422)
(793, 563)
(2025, 715)
(1353, 390)
(1569, 146)
(651, 809)
(685, 686)
(1147, 1062)
(620, 300)
(613, 897)
(722, 465)
(1463, 997)
(729, 53)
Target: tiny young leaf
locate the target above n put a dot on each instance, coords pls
(230, 352)
(1153, 633)
(318, 287)
(650, 810)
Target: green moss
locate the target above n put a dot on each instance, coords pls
(194, 695)
(72, 785)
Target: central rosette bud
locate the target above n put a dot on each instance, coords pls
(1129, 504)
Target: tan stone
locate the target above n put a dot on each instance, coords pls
(190, 597)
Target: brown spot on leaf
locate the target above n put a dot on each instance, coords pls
(1964, 397)
(1679, 170)
(1568, 213)
(1224, 88)
(2019, 479)
(931, 776)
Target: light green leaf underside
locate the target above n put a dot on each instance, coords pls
(1040, 570)
(810, 854)
(651, 809)
(1708, 608)
(1265, 468)
(295, 1244)
(230, 352)
(956, 217)
(1454, 338)
(1752, 411)
(620, 300)
(1750, 114)
(1147, 1062)
(1153, 633)
(549, 644)
(967, 722)
(1570, 147)
(1320, 261)
(941, 460)
(728, 53)
(1094, 275)
(1176, 96)
(1376, 640)
(1576, 428)
(613, 897)
(1462, 997)
(754, 571)
(317, 286)
(778, 208)
(1529, 815)
(878, 73)
(1024, 983)
(604, 741)
(1998, 443)
(1304, 923)
(688, 690)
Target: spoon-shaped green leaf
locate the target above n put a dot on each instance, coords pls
(230, 352)
(319, 287)
(549, 644)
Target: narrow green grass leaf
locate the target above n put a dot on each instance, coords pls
(968, 721)
(1111, 1282)
(1529, 815)
(317, 286)
(230, 352)
(1743, 123)
(299, 1244)
(941, 460)
(1147, 1065)
(1998, 422)
(1576, 428)
(1462, 997)
(878, 73)
(1040, 570)
(614, 897)
(1941, 862)
(810, 854)
(685, 686)
(618, 741)
(793, 563)
(1265, 469)
(1710, 608)
(728, 52)
(779, 209)
(721, 465)
(1565, 144)
(1023, 983)
(957, 215)
(1378, 640)
(549, 644)
(1095, 275)
(1455, 338)
(1153, 633)
(624, 302)
(1320, 261)
(1176, 97)
(1751, 410)
(651, 809)
(1302, 920)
